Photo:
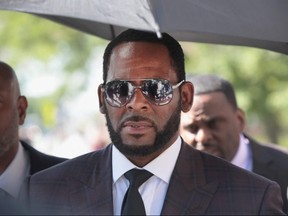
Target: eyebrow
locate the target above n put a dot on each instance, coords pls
(208, 119)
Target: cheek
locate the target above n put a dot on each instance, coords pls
(8, 115)
(162, 116)
(221, 135)
(187, 136)
(8, 120)
(115, 116)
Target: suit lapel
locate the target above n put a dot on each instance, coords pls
(91, 193)
(261, 159)
(188, 191)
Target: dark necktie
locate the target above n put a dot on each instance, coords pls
(132, 202)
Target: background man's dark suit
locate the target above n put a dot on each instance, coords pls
(271, 163)
(39, 160)
(206, 185)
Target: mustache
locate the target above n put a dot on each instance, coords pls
(136, 118)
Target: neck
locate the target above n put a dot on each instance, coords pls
(7, 157)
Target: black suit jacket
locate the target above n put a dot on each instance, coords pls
(272, 163)
(200, 184)
(38, 160)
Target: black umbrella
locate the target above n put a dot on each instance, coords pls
(255, 23)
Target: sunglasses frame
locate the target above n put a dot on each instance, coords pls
(104, 89)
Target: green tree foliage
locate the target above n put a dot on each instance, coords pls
(29, 40)
(25, 37)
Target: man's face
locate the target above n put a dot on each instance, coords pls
(141, 128)
(12, 113)
(212, 125)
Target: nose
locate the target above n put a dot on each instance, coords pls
(203, 135)
(138, 101)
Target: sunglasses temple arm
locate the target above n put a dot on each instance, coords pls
(177, 85)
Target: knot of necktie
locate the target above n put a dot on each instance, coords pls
(137, 177)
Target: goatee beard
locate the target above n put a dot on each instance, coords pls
(162, 137)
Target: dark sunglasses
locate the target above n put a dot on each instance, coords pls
(158, 91)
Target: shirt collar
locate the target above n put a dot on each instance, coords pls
(242, 157)
(120, 164)
(14, 175)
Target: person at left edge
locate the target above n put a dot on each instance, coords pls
(18, 159)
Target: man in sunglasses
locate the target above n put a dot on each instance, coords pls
(148, 169)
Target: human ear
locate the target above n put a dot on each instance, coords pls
(101, 98)
(187, 95)
(22, 105)
(241, 118)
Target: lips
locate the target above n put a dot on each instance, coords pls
(138, 124)
(137, 128)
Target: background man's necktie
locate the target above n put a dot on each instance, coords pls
(132, 202)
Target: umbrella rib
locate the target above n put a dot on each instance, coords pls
(112, 31)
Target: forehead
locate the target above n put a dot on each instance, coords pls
(133, 60)
(5, 78)
(7, 81)
(210, 105)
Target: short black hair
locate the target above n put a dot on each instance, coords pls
(131, 35)
(207, 83)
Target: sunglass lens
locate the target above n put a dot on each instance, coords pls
(158, 91)
(118, 92)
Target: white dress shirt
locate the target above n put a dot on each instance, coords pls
(243, 156)
(12, 178)
(153, 191)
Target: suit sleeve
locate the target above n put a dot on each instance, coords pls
(272, 203)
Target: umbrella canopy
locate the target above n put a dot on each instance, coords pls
(256, 23)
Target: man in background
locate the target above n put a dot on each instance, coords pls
(17, 158)
(215, 125)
